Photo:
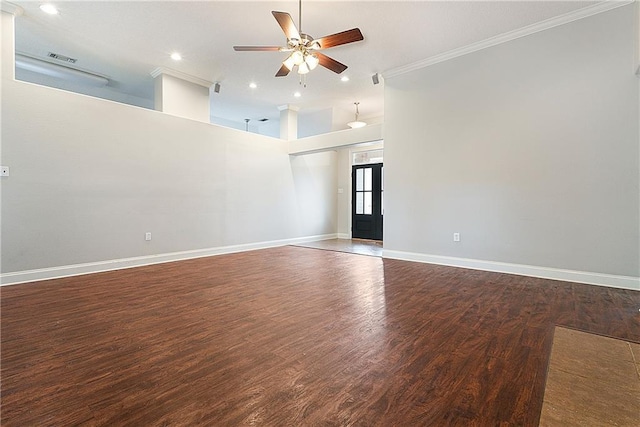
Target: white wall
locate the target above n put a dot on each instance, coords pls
(344, 198)
(529, 149)
(7, 40)
(315, 176)
(181, 98)
(89, 177)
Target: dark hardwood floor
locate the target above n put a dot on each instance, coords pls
(291, 336)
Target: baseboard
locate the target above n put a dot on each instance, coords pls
(17, 277)
(344, 236)
(625, 282)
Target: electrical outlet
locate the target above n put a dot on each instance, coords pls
(147, 236)
(4, 171)
(456, 237)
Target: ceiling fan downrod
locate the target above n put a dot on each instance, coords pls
(300, 16)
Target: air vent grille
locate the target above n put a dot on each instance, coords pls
(61, 57)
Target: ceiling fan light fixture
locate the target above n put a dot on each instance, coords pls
(303, 68)
(298, 57)
(289, 62)
(312, 61)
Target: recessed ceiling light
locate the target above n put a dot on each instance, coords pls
(252, 85)
(297, 94)
(49, 8)
(176, 56)
(344, 78)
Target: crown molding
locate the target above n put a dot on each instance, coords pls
(288, 107)
(180, 75)
(511, 35)
(11, 8)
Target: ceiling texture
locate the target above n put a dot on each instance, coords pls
(126, 41)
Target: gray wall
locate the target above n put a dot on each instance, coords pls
(89, 177)
(529, 149)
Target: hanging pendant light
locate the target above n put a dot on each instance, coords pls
(356, 123)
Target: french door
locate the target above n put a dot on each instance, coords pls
(367, 201)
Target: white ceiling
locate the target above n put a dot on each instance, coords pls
(125, 41)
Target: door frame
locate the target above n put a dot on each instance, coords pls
(375, 218)
(377, 145)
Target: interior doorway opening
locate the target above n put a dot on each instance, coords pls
(367, 194)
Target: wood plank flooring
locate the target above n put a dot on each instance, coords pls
(291, 336)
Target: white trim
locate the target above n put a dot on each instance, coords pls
(117, 264)
(590, 278)
(344, 236)
(345, 138)
(369, 146)
(637, 31)
(288, 107)
(11, 8)
(180, 75)
(509, 36)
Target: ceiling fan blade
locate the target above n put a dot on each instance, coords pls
(283, 71)
(287, 25)
(349, 36)
(330, 63)
(256, 48)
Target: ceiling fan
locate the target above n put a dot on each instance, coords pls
(304, 48)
